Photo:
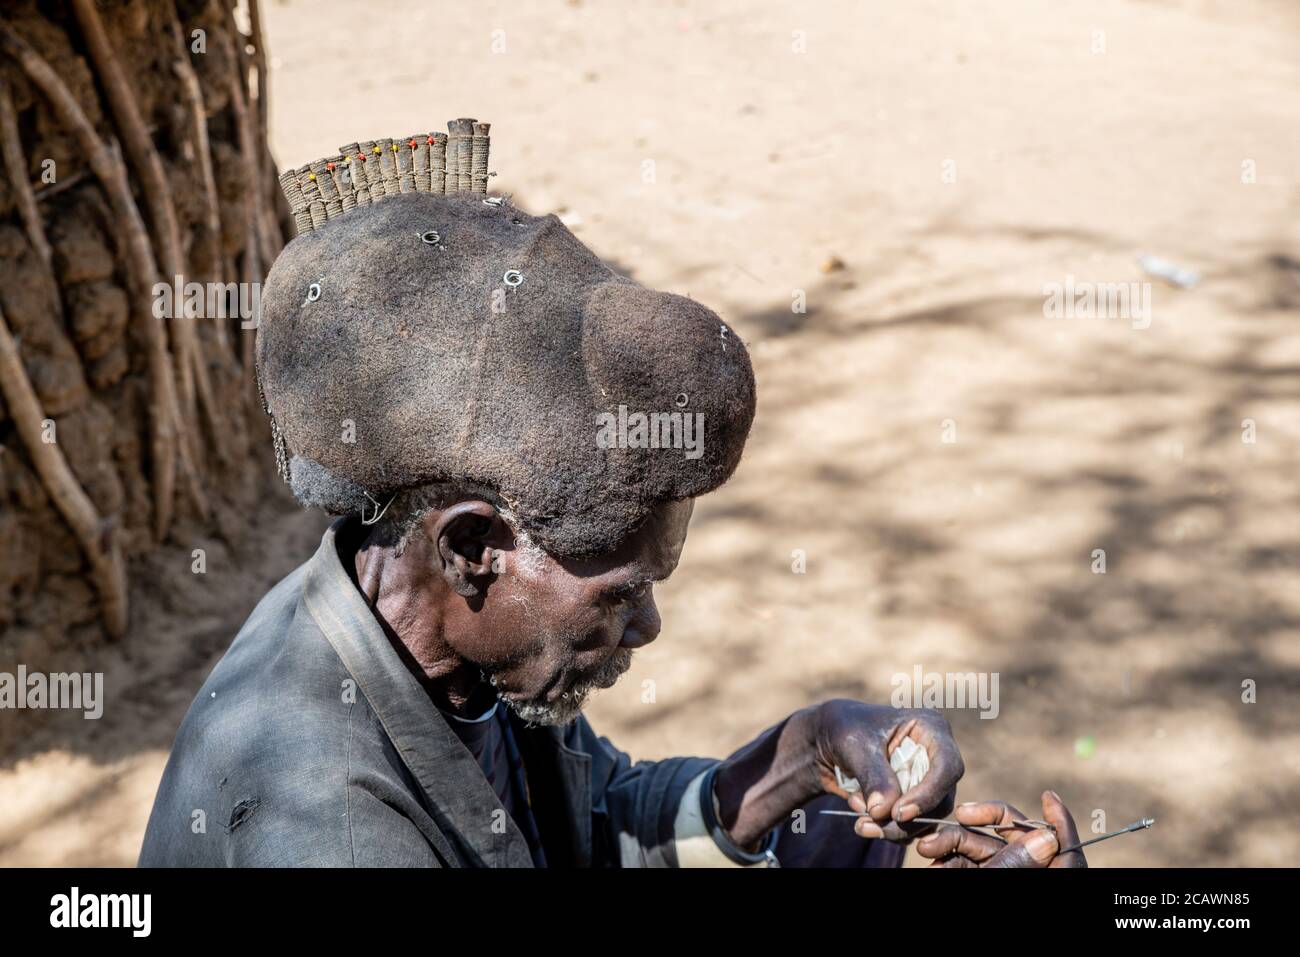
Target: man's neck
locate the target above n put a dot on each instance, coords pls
(409, 600)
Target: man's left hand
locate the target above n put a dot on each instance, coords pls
(788, 765)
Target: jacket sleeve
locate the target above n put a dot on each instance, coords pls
(635, 805)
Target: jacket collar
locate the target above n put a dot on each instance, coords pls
(461, 800)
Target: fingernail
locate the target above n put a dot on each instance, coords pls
(1041, 846)
(906, 812)
(857, 803)
(866, 828)
(1056, 796)
(968, 803)
(874, 800)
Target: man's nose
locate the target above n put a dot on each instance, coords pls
(643, 627)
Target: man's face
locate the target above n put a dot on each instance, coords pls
(549, 631)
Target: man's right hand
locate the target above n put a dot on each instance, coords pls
(958, 847)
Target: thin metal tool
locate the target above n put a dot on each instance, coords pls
(1032, 825)
(1135, 826)
(1014, 825)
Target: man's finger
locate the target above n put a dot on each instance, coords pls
(870, 766)
(1067, 834)
(1036, 850)
(865, 827)
(856, 799)
(958, 840)
(901, 732)
(987, 813)
(910, 830)
(941, 808)
(903, 833)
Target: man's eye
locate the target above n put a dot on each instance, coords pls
(631, 592)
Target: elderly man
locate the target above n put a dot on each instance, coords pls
(514, 435)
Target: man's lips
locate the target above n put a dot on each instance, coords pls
(597, 676)
(580, 677)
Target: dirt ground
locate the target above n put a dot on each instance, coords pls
(919, 172)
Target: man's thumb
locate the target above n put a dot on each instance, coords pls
(1036, 850)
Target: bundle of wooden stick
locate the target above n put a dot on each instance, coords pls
(364, 172)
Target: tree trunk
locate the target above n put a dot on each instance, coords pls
(126, 131)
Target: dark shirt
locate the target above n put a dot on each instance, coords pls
(491, 742)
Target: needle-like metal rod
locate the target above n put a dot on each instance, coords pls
(1136, 826)
(1033, 825)
(1014, 825)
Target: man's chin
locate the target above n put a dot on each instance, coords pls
(568, 705)
(558, 712)
(608, 674)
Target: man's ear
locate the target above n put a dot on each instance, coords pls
(465, 533)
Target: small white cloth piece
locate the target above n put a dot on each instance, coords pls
(910, 762)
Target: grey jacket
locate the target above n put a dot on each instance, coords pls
(311, 744)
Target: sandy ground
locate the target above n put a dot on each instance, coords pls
(77, 792)
(954, 158)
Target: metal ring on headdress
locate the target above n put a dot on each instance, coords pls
(380, 513)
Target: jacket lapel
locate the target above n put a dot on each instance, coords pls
(461, 800)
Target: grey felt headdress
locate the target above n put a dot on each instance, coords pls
(418, 331)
